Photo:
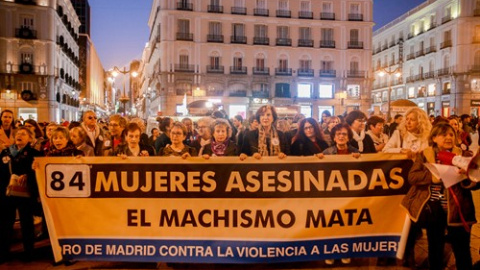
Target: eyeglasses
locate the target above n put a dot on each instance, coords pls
(176, 133)
(92, 117)
(341, 134)
(308, 127)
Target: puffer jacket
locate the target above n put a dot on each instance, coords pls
(420, 180)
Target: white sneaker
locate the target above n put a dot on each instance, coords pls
(329, 261)
(346, 260)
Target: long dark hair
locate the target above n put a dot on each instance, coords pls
(38, 129)
(13, 120)
(301, 130)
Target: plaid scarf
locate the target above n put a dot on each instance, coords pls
(273, 141)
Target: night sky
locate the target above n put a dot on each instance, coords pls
(120, 31)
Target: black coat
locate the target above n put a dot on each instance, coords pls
(250, 143)
(21, 164)
(368, 145)
(307, 148)
(161, 142)
(123, 149)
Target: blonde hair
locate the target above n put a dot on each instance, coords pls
(424, 124)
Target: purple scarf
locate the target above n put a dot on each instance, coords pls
(219, 149)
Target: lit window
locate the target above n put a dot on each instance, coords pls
(304, 90)
(325, 91)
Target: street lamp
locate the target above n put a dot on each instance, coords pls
(124, 98)
(389, 72)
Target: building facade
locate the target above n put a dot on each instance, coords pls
(436, 46)
(39, 61)
(302, 56)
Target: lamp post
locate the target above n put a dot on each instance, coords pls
(389, 72)
(124, 98)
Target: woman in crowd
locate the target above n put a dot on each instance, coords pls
(155, 134)
(178, 133)
(78, 137)
(309, 139)
(325, 117)
(411, 136)
(375, 125)
(7, 128)
(18, 159)
(37, 142)
(204, 134)
(166, 125)
(442, 209)
(221, 143)
(48, 136)
(332, 121)
(356, 120)
(61, 146)
(266, 140)
(132, 146)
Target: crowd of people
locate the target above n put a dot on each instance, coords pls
(415, 134)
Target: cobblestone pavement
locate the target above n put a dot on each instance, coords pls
(44, 258)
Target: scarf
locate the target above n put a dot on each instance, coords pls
(359, 139)
(378, 140)
(218, 149)
(273, 141)
(14, 150)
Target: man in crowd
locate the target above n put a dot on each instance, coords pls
(95, 134)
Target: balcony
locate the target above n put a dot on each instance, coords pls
(238, 93)
(355, 74)
(392, 62)
(418, 77)
(305, 72)
(283, 42)
(261, 71)
(260, 12)
(446, 92)
(281, 13)
(429, 75)
(392, 43)
(355, 44)
(215, 69)
(215, 38)
(475, 68)
(410, 79)
(184, 6)
(305, 15)
(283, 71)
(26, 68)
(355, 17)
(430, 49)
(327, 44)
(431, 26)
(410, 56)
(261, 41)
(443, 71)
(305, 43)
(185, 36)
(239, 10)
(410, 35)
(419, 53)
(446, 19)
(260, 94)
(215, 9)
(238, 39)
(328, 73)
(330, 16)
(184, 68)
(25, 33)
(446, 44)
(215, 93)
(238, 70)
(26, 2)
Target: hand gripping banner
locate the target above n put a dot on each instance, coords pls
(224, 210)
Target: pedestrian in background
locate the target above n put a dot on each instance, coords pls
(7, 127)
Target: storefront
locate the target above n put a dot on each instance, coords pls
(445, 108)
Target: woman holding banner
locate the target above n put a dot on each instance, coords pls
(221, 143)
(309, 139)
(16, 166)
(266, 140)
(178, 134)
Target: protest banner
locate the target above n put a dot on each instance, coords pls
(223, 210)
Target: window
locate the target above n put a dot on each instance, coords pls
(283, 64)
(327, 34)
(355, 8)
(26, 86)
(27, 21)
(184, 61)
(411, 92)
(447, 36)
(304, 90)
(305, 33)
(215, 62)
(306, 110)
(215, 28)
(184, 26)
(354, 66)
(282, 32)
(260, 63)
(238, 62)
(283, 5)
(282, 90)
(305, 6)
(305, 64)
(327, 7)
(431, 89)
(238, 30)
(239, 3)
(26, 58)
(325, 91)
(354, 36)
(326, 65)
(353, 90)
(261, 4)
(261, 31)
